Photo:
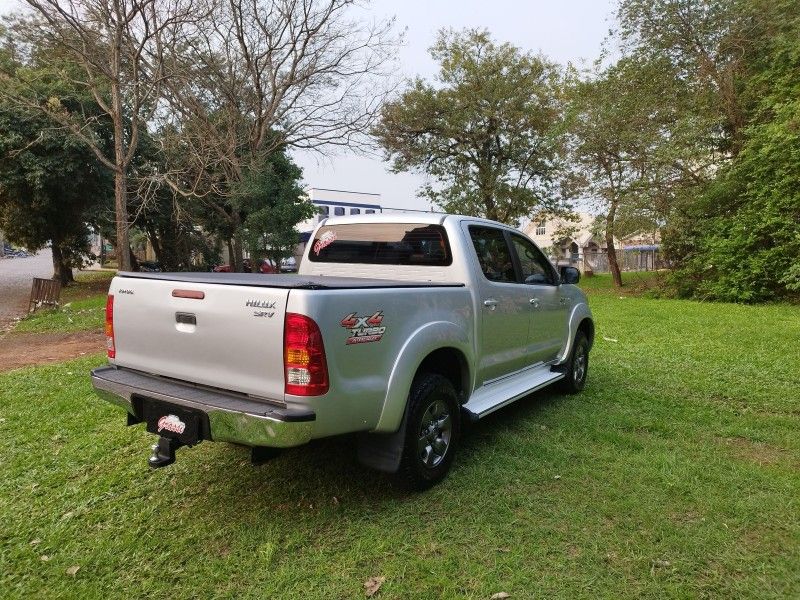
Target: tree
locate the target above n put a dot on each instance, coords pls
(119, 46)
(50, 183)
(488, 132)
(702, 42)
(626, 143)
(739, 240)
(260, 77)
(273, 201)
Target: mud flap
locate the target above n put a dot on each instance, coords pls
(382, 451)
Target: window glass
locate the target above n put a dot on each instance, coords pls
(370, 211)
(323, 211)
(355, 211)
(382, 244)
(338, 211)
(493, 254)
(535, 267)
(540, 228)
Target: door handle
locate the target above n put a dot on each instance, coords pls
(535, 302)
(490, 303)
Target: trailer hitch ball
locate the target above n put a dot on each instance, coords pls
(164, 452)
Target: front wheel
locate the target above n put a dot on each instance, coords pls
(577, 366)
(432, 432)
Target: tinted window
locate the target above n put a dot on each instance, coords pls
(355, 211)
(370, 211)
(323, 211)
(534, 265)
(338, 211)
(493, 254)
(382, 244)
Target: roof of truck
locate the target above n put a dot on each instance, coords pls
(409, 217)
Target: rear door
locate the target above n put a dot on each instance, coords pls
(549, 309)
(225, 336)
(503, 304)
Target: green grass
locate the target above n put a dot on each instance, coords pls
(82, 307)
(675, 474)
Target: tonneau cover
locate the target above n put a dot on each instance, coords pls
(308, 282)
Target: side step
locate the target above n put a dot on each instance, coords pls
(491, 397)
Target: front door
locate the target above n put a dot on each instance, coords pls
(550, 310)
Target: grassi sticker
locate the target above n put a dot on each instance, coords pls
(364, 329)
(323, 242)
(171, 423)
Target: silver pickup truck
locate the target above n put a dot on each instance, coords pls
(396, 327)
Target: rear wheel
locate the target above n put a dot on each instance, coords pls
(577, 366)
(432, 432)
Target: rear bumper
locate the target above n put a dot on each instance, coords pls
(231, 418)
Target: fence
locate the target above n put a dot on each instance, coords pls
(628, 260)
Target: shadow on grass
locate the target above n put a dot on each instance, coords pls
(326, 473)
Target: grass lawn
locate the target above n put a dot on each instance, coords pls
(676, 473)
(83, 306)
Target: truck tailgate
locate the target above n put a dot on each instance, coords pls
(231, 338)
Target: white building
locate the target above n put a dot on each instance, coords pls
(337, 203)
(564, 240)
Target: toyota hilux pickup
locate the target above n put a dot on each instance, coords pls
(397, 328)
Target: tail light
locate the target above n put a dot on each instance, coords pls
(304, 357)
(112, 351)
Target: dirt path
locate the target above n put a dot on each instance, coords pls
(25, 349)
(15, 284)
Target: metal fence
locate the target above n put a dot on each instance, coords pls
(628, 260)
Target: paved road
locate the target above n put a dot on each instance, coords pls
(15, 283)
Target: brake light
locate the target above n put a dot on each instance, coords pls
(305, 368)
(112, 351)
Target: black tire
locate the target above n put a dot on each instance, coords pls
(432, 397)
(577, 366)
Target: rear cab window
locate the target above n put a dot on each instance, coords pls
(494, 256)
(416, 244)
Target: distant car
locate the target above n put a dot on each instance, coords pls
(264, 266)
(289, 265)
(150, 266)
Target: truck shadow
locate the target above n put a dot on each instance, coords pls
(325, 474)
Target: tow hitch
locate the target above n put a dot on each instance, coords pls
(164, 452)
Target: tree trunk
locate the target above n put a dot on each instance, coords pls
(121, 209)
(229, 244)
(611, 251)
(238, 253)
(61, 271)
(133, 260)
(120, 158)
(155, 242)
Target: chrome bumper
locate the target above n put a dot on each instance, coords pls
(231, 418)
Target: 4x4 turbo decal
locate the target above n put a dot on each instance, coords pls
(364, 329)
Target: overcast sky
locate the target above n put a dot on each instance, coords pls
(564, 30)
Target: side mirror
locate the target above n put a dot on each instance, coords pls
(570, 275)
(536, 278)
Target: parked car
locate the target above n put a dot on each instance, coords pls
(151, 266)
(398, 328)
(263, 266)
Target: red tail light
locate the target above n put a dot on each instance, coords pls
(304, 363)
(112, 351)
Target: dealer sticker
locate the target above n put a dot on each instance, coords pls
(171, 423)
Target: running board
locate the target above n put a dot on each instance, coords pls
(489, 398)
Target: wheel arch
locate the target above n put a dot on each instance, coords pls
(437, 347)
